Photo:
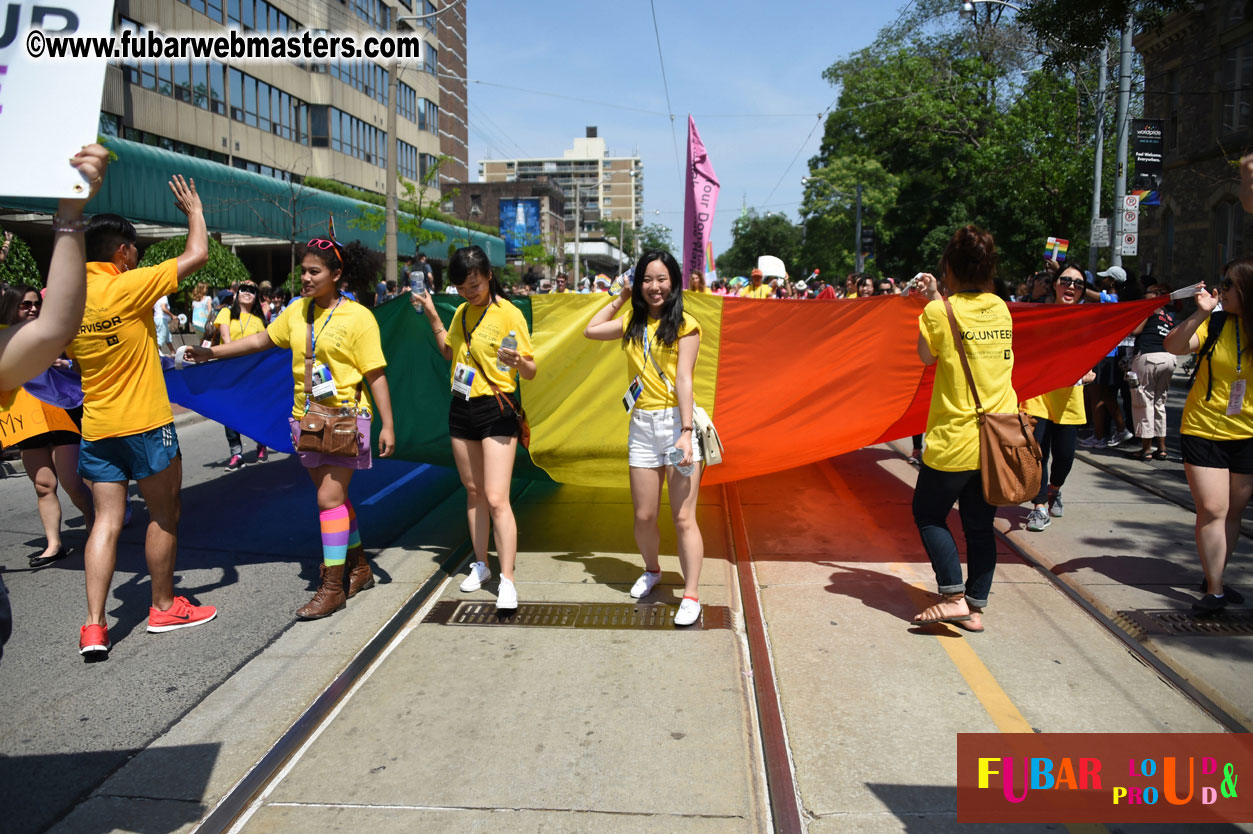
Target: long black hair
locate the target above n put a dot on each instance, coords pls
(237, 311)
(671, 309)
(10, 299)
(358, 266)
(471, 259)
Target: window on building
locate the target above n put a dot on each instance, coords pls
(217, 88)
(1226, 229)
(1237, 77)
(430, 59)
(110, 125)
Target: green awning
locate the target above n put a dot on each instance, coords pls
(241, 202)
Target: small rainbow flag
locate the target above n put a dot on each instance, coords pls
(711, 271)
(1055, 249)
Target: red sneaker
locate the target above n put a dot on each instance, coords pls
(182, 614)
(93, 639)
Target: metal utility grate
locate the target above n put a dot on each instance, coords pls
(1168, 622)
(574, 615)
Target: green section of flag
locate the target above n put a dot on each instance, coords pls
(418, 378)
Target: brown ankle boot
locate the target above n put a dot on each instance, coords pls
(360, 577)
(329, 597)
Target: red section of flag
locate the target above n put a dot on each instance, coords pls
(800, 381)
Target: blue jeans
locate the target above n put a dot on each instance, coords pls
(934, 496)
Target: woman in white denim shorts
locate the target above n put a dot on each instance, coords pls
(661, 344)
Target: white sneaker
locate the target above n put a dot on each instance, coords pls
(689, 612)
(645, 584)
(507, 598)
(1120, 438)
(479, 573)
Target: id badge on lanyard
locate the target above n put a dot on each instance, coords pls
(1235, 402)
(323, 382)
(463, 380)
(634, 391)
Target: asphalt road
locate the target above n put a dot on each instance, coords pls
(249, 545)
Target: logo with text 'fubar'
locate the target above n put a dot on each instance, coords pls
(1103, 777)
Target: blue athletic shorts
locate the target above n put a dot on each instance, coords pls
(132, 457)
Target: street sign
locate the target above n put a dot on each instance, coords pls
(1129, 244)
(1131, 202)
(1100, 232)
(1131, 221)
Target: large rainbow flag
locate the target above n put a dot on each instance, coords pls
(787, 382)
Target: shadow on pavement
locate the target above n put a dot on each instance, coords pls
(74, 775)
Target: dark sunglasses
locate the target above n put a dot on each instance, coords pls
(248, 288)
(1070, 282)
(31, 305)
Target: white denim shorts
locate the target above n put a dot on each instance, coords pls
(652, 436)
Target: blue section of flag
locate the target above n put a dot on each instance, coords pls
(251, 394)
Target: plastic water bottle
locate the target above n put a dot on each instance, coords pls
(417, 282)
(674, 457)
(510, 342)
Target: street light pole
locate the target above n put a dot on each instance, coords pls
(1100, 153)
(861, 256)
(1124, 104)
(859, 261)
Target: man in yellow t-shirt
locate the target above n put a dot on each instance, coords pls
(128, 426)
(755, 288)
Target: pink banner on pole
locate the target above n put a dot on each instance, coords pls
(698, 210)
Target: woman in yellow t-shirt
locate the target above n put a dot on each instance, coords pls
(950, 464)
(242, 318)
(483, 427)
(1059, 414)
(1216, 433)
(347, 353)
(661, 343)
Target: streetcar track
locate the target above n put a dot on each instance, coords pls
(1140, 651)
(266, 772)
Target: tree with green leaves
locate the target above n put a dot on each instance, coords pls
(753, 235)
(829, 213)
(223, 267)
(971, 126)
(416, 206)
(17, 265)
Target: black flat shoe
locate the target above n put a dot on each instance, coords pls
(44, 561)
(1209, 604)
(1230, 594)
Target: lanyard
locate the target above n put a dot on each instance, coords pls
(324, 324)
(1237, 347)
(469, 334)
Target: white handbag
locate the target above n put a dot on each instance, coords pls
(702, 425)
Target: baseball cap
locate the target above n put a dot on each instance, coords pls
(756, 273)
(1116, 272)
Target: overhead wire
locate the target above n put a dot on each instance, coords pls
(666, 86)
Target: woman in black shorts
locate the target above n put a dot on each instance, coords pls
(1216, 434)
(52, 456)
(482, 419)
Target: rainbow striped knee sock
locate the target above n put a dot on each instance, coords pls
(335, 525)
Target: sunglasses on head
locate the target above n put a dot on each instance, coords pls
(31, 305)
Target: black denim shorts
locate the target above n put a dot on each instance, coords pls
(1233, 455)
(481, 417)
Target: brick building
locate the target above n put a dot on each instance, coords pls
(480, 202)
(453, 98)
(1199, 81)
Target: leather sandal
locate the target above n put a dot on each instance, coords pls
(936, 616)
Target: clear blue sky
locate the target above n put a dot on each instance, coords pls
(730, 64)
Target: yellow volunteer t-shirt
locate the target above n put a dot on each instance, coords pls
(487, 326)
(345, 339)
(246, 325)
(1063, 406)
(750, 291)
(116, 350)
(1209, 419)
(656, 394)
(988, 338)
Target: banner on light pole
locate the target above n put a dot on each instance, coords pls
(698, 210)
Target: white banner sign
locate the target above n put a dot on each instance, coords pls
(49, 108)
(1100, 232)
